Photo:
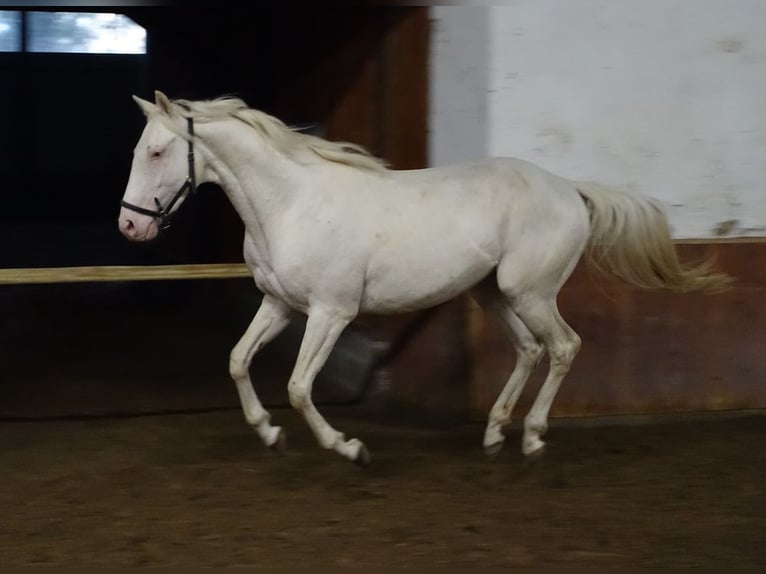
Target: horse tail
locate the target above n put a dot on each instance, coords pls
(631, 240)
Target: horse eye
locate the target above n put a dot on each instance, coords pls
(156, 154)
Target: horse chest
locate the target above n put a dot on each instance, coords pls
(267, 277)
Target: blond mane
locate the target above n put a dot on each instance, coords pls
(288, 140)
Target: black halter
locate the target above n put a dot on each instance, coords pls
(163, 213)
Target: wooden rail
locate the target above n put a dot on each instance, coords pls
(24, 276)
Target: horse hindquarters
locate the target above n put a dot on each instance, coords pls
(529, 278)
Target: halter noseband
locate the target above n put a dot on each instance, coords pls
(163, 213)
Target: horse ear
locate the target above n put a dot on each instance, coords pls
(163, 103)
(146, 107)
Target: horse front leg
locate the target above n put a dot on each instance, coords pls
(323, 328)
(270, 320)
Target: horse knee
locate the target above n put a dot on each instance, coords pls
(299, 396)
(238, 367)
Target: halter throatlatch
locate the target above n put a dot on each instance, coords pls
(163, 213)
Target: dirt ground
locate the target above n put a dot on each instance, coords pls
(199, 489)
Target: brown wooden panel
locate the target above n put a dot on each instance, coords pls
(384, 105)
(404, 93)
(431, 371)
(649, 351)
(354, 117)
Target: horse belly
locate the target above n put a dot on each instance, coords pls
(413, 279)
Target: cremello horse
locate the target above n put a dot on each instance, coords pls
(331, 232)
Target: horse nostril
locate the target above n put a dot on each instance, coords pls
(128, 226)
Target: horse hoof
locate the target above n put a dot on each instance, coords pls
(362, 457)
(536, 454)
(279, 445)
(493, 450)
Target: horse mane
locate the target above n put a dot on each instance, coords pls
(288, 140)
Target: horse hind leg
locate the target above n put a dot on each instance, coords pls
(531, 286)
(542, 317)
(529, 352)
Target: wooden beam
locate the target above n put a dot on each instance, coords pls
(25, 276)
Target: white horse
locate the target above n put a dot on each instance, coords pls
(331, 232)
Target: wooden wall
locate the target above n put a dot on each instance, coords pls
(648, 352)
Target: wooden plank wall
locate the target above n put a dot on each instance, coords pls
(648, 352)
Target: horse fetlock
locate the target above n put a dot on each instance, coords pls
(331, 440)
(272, 436)
(500, 415)
(264, 424)
(258, 420)
(532, 444)
(535, 427)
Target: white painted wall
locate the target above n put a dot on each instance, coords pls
(661, 97)
(458, 84)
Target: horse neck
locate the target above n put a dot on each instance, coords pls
(259, 181)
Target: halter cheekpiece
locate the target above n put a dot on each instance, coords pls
(163, 212)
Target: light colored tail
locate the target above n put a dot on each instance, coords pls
(630, 239)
